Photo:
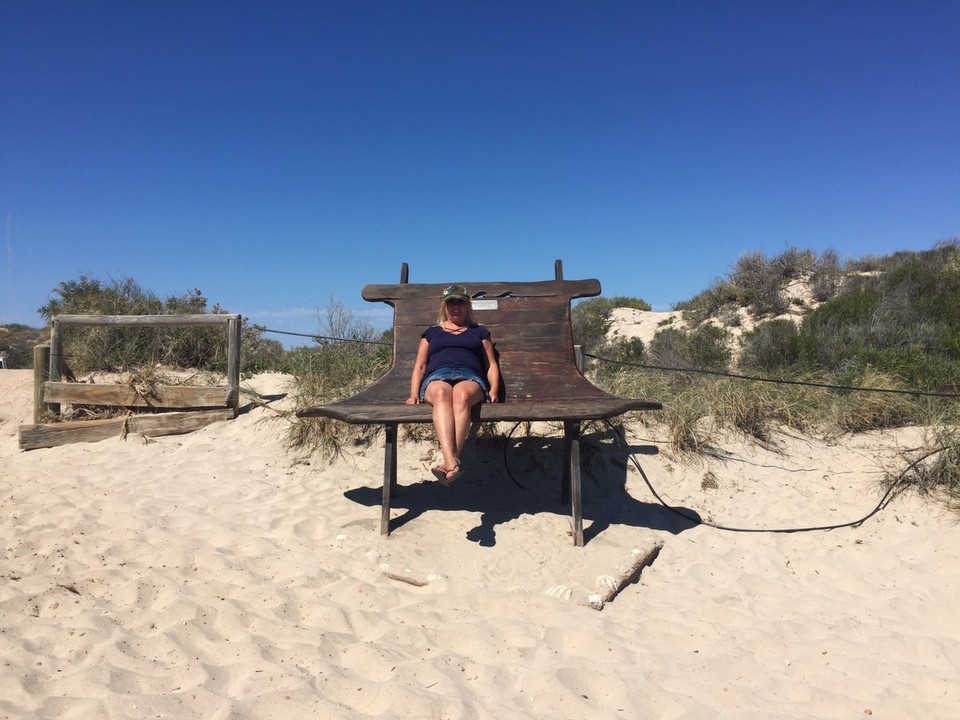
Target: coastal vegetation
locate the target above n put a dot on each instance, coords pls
(17, 342)
(798, 341)
(803, 342)
(112, 349)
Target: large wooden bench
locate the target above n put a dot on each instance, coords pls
(531, 330)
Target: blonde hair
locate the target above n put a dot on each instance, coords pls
(468, 315)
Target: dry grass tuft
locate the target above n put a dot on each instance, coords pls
(696, 407)
(934, 469)
(861, 411)
(326, 374)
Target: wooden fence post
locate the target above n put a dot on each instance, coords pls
(56, 357)
(56, 350)
(41, 366)
(234, 326)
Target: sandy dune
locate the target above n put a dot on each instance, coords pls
(219, 575)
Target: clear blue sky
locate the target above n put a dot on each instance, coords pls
(275, 154)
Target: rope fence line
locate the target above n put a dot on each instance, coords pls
(325, 337)
(696, 371)
(774, 381)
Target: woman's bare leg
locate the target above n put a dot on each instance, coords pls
(451, 416)
(466, 394)
(440, 395)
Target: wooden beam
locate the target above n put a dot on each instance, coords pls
(161, 396)
(146, 320)
(33, 437)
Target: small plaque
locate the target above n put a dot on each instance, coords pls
(484, 304)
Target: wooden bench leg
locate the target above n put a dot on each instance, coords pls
(389, 475)
(571, 481)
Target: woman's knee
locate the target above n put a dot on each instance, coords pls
(438, 392)
(466, 394)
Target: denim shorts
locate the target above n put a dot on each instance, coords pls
(453, 376)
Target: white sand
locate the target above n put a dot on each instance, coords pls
(213, 575)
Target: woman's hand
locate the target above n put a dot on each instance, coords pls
(413, 401)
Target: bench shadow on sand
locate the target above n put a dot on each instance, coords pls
(505, 479)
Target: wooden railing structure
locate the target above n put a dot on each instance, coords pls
(197, 406)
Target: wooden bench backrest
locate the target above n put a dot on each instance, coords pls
(528, 321)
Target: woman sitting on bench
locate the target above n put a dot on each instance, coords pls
(455, 369)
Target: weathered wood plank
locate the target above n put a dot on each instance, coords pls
(33, 437)
(145, 320)
(161, 396)
(570, 289)
(534, 410)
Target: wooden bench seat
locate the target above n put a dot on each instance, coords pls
(530, 326)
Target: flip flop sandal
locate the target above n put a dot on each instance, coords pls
(450, 475)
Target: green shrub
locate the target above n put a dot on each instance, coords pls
(709, 303)
(756, 282)
(708, 348)
(771, 347)
(903, 321)
(88, 296)
(17, 342)
(590, 319)
(794, 264)
(826, 276)
(668, 348)
(838, 330)
(703, 348)
(113, 348)
(759, 283)
(623, 352)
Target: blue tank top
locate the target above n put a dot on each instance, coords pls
(461, 350)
